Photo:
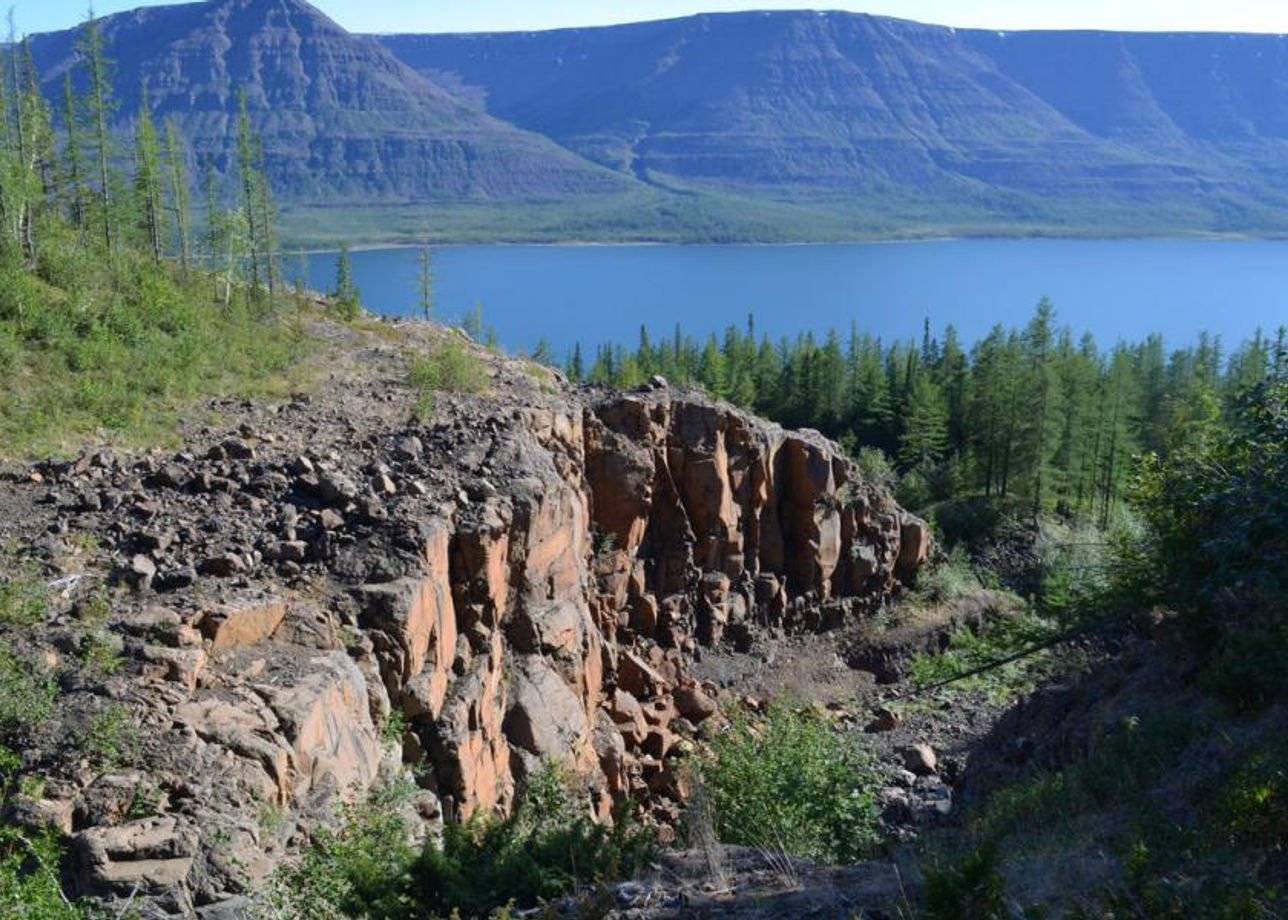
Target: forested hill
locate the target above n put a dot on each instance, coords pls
(340, 117)
(1094, 129)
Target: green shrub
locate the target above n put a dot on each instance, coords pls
(1213, 548)
(27, 696)
(876, 469)
(547, 848)
(1252, 807)
(29, 877)
(449, 367)
(790, 782)
(111, 737)
(969, 650)
(945, 581)
(88, 342)
(359, 870)
(970, 889)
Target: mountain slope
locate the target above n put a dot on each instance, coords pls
(340, 116)
(1036, 127)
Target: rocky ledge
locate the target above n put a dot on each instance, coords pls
(527, 576)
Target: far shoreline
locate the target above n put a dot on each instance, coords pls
(858, 241)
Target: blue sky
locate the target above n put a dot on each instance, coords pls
(483, 15)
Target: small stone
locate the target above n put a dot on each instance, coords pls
(336, 489)
(222, 566)
(288, 551)
(177, 579)
(884, 720)
(331, 519)
(693, 704)
(372, 509)
(171, 476)
(920, 759)
(155, 542)
(238, 450)
(410, 447)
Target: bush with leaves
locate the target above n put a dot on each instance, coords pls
(549, 847)
(790, 782)
(970, 889)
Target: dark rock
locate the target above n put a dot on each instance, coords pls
(222, 566)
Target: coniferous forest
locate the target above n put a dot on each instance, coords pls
(1037, 417)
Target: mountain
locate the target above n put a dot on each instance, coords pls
(740, 126)
(1083, 129)
(341, 117)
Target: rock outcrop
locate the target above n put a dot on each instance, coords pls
(521, 583)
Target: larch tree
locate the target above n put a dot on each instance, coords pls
(176, 170)
(148, 178)
(98, 108)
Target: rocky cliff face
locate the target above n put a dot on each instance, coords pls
(525, 580)
(340, 117)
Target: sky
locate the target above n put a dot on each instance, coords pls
(511, 15)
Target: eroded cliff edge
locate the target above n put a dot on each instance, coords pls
(524, 577)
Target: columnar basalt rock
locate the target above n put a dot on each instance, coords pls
(520, 583)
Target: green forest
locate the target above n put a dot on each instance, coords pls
(1034, 417)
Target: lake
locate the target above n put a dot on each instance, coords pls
(594, 294)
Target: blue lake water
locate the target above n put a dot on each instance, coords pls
(594, 294)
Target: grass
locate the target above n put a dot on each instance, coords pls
(449, 367)
(969, 650)
(27, 695)
(92, 346)
(24, 599)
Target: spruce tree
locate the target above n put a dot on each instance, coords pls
(345, 291)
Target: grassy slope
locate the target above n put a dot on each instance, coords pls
(120, 348)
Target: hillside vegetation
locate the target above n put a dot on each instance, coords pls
(110, 323)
